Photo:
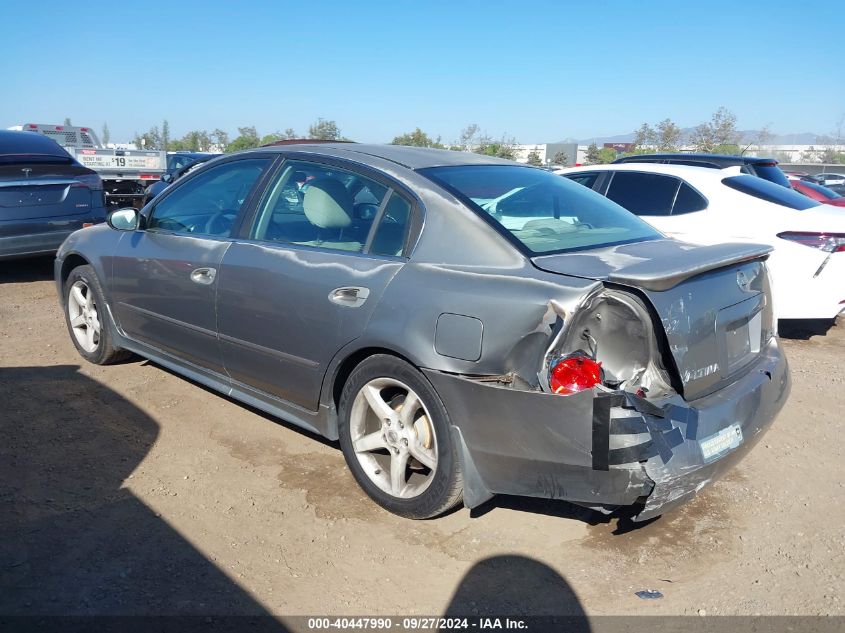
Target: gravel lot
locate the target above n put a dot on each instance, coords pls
(128, 489)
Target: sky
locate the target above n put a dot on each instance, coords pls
(537, 71)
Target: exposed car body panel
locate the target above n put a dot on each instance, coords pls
(475, 314)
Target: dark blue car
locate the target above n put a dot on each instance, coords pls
(45, 195)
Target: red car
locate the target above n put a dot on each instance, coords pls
(817, 192)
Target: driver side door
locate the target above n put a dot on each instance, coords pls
(165, 275)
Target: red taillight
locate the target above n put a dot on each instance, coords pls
(60, 128)
(32, 126)
(574, 374)
(149, 177)
(828, 242)
(83, 129)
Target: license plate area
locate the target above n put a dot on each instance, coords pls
(718, 444)
(740, 334)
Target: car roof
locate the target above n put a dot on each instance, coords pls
(410, 157)
(723, 160)
(682, 171)
(12, 142)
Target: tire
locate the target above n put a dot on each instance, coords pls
(420, 438)
(86, 318)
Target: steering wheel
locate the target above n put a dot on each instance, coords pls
(220, 223)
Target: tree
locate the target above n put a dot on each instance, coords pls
(719, 135)
(220, 138)
(247, 139)
(165, 134)
(324, 129)
(505, 147)
(763, 136)
(533, 158)
(148, 140)
(417, 138)
(468, 138)
(645, 135)
(606, 155)
(592, 156)
(667, 136)
(289, 134)
(560, 158)
(106, 134)
(271, 138)
(67, 121)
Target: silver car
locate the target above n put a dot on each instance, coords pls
(463, 325)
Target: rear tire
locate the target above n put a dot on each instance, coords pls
(395, 436)
(87, 318)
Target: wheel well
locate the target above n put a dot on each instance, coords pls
(345, 369)
(71, 262)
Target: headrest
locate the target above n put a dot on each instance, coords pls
(328, 204)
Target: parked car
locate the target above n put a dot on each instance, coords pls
(765, 168)
(709, 206)
(184, 164)
(817, 192)
(491, 328)
(830, 179)
(45, 195)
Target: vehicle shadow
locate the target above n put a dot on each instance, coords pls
(74, 538)
(804, 329)
(510, 586)
(565, 510)
(18, 271)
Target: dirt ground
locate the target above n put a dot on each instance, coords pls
(128, 489)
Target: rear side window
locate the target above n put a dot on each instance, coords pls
(643, 194)
(390, 234)
(688, 200)
(770, 192)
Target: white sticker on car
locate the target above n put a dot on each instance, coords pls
(720, 443)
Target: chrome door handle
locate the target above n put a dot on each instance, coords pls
(203, 276)
(349, 296)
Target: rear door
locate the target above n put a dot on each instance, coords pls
(165, 277)
(323, 245)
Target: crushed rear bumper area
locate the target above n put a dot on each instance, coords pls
(606, 450)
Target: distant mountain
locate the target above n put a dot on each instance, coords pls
(747, 136)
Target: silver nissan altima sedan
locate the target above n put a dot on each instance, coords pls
(463, 325)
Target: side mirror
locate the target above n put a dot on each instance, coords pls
(123, 219)
(167, 177)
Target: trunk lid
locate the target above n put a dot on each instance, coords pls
(713, 302)
(40, 190)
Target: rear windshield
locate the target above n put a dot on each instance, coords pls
(540, 211)
(770, 192)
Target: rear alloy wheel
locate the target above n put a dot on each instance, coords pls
(394, 433)
(86, 318)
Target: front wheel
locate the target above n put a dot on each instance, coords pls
(87, 320)
(394, 432)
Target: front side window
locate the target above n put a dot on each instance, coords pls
(643, 193)
(543, 212)
(311, 204)
(770, 192)
(209, 203)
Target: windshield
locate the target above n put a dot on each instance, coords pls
(770, 192)
(542, 212)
